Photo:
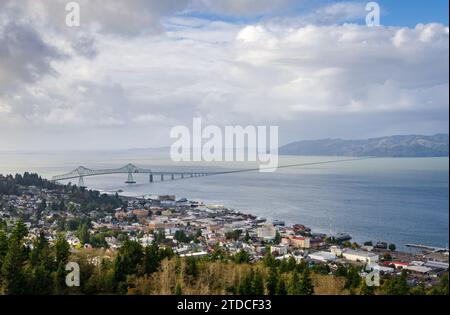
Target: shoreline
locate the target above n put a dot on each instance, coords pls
(414, 248)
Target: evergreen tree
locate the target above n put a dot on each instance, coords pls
(62, 250)
(294, 284)
(41, 251)
(42, 281)
(247, 237)
(13, 275)
(352, 279)
(302, 266)
(83, 233)
(397, 285)
(269, 260)
(242, 257)
(306, 287)
(128, 259)
(61, 253)
(151, 259)
(258, 283)
(217, 253)
(191, 267)
(246, 284)
(41, 266)
(3, 247)
(281, 287)
(272, 281)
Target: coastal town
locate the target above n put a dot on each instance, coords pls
(194, 229)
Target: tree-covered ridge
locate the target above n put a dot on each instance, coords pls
(10, 185)
(87, 199)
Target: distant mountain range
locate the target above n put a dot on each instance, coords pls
(392, 146)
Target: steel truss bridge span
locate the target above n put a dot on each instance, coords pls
(130, 169)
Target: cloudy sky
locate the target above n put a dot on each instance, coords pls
(134, 69)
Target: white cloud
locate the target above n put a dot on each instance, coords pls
(307, 76)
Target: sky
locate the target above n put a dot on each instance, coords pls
(134, 69)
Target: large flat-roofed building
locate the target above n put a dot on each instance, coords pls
(436, 265)
(357, 255)
(267, 232)
(323, 256)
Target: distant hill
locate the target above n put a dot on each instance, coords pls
(393, 146)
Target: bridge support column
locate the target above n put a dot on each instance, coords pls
(151, 178)
(130, 179)
(81, 181)
(182, 175)
(162, 177)
(173, 176)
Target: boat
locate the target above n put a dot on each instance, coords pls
(278, 222)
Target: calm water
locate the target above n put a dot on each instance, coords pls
(395, 200)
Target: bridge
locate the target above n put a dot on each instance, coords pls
(81, 172)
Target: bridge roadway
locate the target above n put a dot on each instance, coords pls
(131, 169)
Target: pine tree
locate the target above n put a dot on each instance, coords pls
(13, 274)
(3, 247)
(41, 266)
(281, 287)
(306, 287)
(398, 285)
(191, 268)
(83, 233)
(258, 283)
(245, 286)
(353, 279)
(61, 252)
(272, 281)
(269, 260)
(151, 259)
(247, 237)
(294, 284)
(128, 259)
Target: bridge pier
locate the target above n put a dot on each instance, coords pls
(162, 177)
(81, 181)
(173, 176)
(151, 178)
(130, 179)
